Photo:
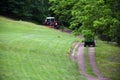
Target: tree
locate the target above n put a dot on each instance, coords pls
(96, 16)
(115, 7)
(62, 10)
(100, 16)
(35, 10)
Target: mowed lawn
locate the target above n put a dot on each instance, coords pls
(33, 52)
(108, 59)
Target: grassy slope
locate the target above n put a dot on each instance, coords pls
(108, 59)
(34, 52)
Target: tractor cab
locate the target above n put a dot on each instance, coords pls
(49, 21)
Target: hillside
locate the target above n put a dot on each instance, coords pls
(34, 52)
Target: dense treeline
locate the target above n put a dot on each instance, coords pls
(100, 16)
(32, 10)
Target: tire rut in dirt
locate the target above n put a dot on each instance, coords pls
(78, 54)
(73, 56)
(92, 59)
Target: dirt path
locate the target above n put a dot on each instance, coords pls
(78, 52)
(73, 55)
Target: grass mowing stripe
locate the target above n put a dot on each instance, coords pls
(31, 66)
(31, 63)
(9, 57)
(22, 67)
(21, 61)
(8, 63)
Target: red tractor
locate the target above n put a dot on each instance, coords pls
(50, 21)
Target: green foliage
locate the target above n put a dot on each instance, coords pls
(87, 33)
(100, 16)
(62, 10)
(35, 10)
(106, 27)
(86, 12)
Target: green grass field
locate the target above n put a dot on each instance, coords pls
(108, 59)
(33, 52)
